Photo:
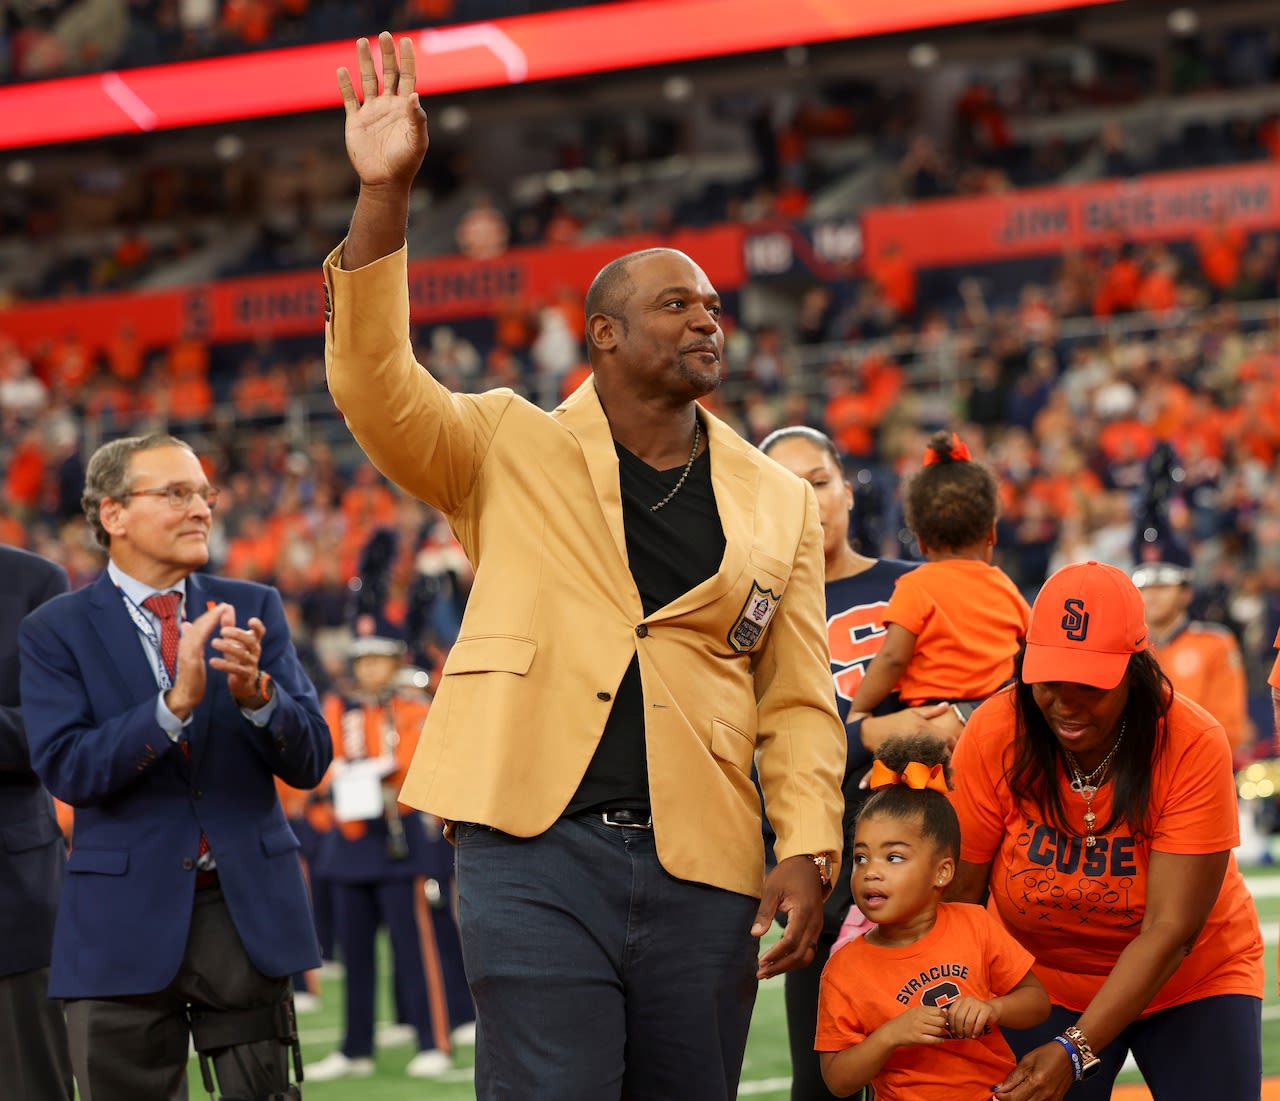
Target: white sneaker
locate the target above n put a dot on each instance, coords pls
(429, 1064)
(305, 1002)
(464, 1035)
(337, 1065)
(397, 1035)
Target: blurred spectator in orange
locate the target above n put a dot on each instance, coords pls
(1158, 288)
(24, 479)
(252, 554)
(124, 353)
(248, 20)
(189, 356)
(895, 280)
(1219, 246)
(190, 399)
(68, 365)
(260, 394)
(1118, 287)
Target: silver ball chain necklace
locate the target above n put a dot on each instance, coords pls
(693, 453)
(1087, 786)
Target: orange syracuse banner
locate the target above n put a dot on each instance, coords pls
(1037, 221)
(444, 288)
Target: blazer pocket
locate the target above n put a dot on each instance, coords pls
(775, 566)
(280, 840)
(99, 861)
(491, 654)
(732, 745)
(23, 836)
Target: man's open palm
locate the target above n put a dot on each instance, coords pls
(387, 132)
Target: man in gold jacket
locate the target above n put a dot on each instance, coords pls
(646, 623)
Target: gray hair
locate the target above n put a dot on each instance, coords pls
(107, 475)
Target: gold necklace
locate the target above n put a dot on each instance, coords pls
(1087, 786)
(693, 452)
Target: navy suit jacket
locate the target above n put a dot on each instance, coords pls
(89, 695)
(32, 852)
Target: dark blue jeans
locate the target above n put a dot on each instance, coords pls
(596, 975)
(1200, 1051)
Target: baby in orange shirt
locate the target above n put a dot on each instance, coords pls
(954, 624)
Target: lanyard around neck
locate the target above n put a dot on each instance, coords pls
(148, 632)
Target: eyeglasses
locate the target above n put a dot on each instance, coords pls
(179, 495)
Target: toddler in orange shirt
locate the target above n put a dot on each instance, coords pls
(911, 1007)
(955, 623)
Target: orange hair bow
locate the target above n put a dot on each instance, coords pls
(958, 452)
(919, 776)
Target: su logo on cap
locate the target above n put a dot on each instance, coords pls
(1076, 622)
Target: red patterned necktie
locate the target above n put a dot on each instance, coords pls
(164, 606)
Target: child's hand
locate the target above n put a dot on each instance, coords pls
(968, 1017)
(922, 1024)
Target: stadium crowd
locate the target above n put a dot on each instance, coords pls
(1126, 398)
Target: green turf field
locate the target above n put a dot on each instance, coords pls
(764, 1075)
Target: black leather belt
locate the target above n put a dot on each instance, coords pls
(628, 817)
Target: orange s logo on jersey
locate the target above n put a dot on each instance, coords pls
(855, 637)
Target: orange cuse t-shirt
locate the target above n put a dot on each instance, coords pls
(1274, 679)
(1078, 909)
(864, 985)
(969, 620)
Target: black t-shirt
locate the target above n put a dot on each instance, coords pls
(670, 552)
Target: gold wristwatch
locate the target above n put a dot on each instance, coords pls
(822, 861)
(1090, 1064)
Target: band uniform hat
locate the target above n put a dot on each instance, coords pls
(1166, 563)
(1086, 622)
(373, 635)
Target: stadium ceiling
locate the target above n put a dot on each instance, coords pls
(503, 52)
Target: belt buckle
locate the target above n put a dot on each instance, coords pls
(607, 818)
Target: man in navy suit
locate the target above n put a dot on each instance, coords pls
(162, 704)
(33, 1045)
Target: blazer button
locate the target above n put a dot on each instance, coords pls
(187, 863)
(643, 630)
(196, 793)
(603, 696)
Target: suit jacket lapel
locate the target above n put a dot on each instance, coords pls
(582, 414)
(734, 478)
(120, 639)
(197, 597)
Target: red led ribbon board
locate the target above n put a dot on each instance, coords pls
(573, 42)
(1039, 221)
(440, 289)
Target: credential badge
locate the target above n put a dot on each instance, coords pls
(753, 618)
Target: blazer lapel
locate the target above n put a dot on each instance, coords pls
(197, 731)
(582, 414)
(120, 639)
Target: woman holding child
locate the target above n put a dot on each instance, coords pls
(1098, 808)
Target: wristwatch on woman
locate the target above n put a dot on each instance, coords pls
(1090, 1064)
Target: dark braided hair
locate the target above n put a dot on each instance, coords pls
(937, 817)
(952, 502)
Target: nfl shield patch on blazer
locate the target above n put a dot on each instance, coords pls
(753, 618)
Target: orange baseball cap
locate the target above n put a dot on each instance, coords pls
(1086, 622)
